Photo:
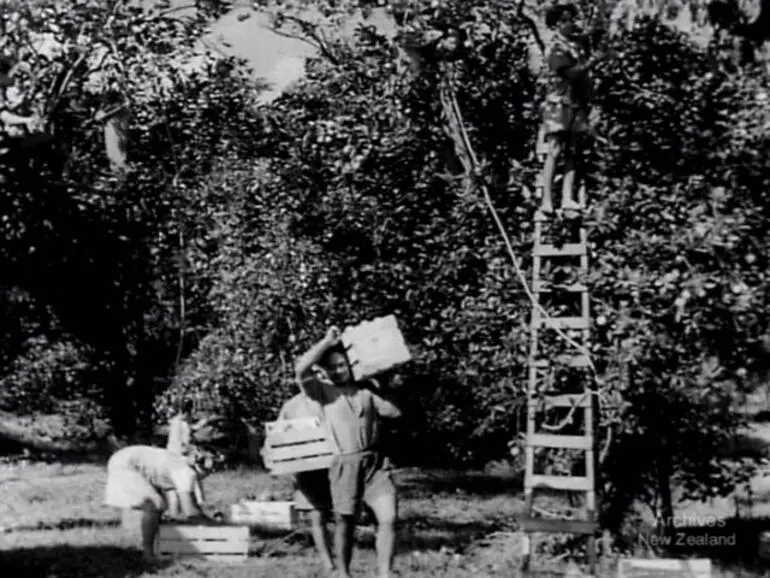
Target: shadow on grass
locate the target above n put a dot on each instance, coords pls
(66, 524)
(430, 533)
(417, 533)
(475, 483)
(75, 562)
(732, 541)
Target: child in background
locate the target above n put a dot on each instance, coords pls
(180, 432)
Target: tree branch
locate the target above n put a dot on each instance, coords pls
(532, 26)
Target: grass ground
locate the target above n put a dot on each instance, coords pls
(52, 524)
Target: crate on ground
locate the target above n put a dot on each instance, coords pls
(297, 445)
(375, 346)
(264, 515)
(764, 545)
(223, 543)
(664, 568)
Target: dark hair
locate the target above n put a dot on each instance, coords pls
(186, 406)
(323, 361)
(555, 13)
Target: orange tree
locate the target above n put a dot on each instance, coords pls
(97, 257)
(362, 170)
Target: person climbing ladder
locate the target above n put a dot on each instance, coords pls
(567, 102)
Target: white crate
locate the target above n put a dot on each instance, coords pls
(297, 445)
(664, 568)
(265, 515)
(764, 545)
(223, 543)
(375, 346)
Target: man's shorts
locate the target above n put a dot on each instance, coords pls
(353, 477)
(312, 491)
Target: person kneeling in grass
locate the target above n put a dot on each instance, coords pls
(153, 479)
(312, 493)
(353, 412)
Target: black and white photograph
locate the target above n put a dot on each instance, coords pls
(385, 288)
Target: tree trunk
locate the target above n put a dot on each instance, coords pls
(663, 473)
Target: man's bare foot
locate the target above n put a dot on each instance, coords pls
(546, 208)
(571, 205)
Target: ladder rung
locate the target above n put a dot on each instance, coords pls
(545, 287)
(556, 526)
(566, 250)
(567, 483)
(578, 360)
(564, 400)
(558, 441)
(561, 322)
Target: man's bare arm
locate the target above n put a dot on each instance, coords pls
(313, 355)
(384, 406)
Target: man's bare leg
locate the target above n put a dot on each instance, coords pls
(149, 525)
(385, 509)
(549, 170)
(321, 539)
(343, 542)
(568, 200)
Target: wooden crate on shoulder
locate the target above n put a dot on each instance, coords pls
(223, 543)
(297, 445)
(375, 346)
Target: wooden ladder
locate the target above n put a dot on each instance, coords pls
(543, 364)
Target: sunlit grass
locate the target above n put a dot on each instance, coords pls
(453, 525)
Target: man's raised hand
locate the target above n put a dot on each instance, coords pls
(333, 335)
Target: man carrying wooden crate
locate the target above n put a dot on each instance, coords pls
(312, 491)
(352, 412)
(147, 478)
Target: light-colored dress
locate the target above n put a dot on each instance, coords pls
(139, 476)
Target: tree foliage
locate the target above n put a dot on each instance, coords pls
(239, 232)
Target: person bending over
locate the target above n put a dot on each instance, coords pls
(353, 411)
(149, 479)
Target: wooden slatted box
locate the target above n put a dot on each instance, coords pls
(223, 543)
(664, 568)
(264, 515)
(374, 346)
(297, 445)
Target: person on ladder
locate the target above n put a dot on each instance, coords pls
(567, 102)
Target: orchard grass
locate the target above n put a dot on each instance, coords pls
(453, 524)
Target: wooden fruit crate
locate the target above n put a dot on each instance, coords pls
(375, 346)
(764, 546)
(664, 568)
(297, 445)
(215, 543)
(264, 515)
